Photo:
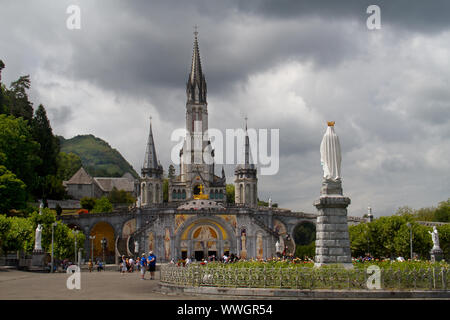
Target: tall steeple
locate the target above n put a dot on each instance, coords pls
(152, 173)
(196, 85)
(150, 160)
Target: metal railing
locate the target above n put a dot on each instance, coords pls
(304, 278)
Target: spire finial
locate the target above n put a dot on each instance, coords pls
(246, 118)
(196, 30)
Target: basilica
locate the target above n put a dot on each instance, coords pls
(196, 221)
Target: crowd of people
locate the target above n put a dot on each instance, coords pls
(142, 264)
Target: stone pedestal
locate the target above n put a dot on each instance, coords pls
(332, 238)
(37, 260)
(436, 254)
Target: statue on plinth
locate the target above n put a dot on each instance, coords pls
(435, 238)
(278, 248)
(38, 237)
(330, 158)
(38, 233)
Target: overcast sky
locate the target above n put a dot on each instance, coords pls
(291, 65)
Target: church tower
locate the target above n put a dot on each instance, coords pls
(246, 182)
(197, 155)
(152, 175)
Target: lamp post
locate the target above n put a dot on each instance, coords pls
(103, 241)
(75, 233)
(92, 247)
(53, 231)
(410, 240)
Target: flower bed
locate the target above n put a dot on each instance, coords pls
(301, 275)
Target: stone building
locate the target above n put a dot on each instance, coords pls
(196, 221)
(81, 185)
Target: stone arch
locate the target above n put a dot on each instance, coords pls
(184, 234)
(304, 233)
(100, 230)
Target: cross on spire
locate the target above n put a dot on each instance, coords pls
(196, 30)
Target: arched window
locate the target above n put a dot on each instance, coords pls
(184, 194)
(157, 194)
(211, 194)
(221, 194)
(247, 194)
(241, 193)
(174, 194)
(144, 193)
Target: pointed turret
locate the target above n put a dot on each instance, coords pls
(152, 172)
(196, 85)
(150, 160)
(245, 177)
(151, 163)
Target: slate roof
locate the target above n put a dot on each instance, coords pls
(80, 177)
(107, 184)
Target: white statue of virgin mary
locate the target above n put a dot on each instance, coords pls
(330, 154)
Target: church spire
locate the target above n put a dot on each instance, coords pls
(247, 145)
(196, 85)
(150, 161)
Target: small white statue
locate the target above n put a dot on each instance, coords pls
(330, 154)
(138, 202)
(435, 238)
(270, 202)
(38, 237)
(136, 246)
(38, 234)
(278, 247)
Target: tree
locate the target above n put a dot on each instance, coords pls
(120, 197)
(20, 106)
(5, 225)
(13, 193)
(442, 213)
(389, 236)
(67, 165)
(88, 203)
(230, 193)
(102, 205)
(48, 184)
(49, 144)
(19, 149)
(20, 235)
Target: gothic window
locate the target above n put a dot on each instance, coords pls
(184, 194)
(174, 194)
(221, 194)
(241, 193)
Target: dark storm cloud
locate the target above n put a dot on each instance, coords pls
(291, 65)
(417, 16)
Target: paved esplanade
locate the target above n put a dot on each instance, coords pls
(16, 285)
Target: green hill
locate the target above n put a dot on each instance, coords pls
(97, 156)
